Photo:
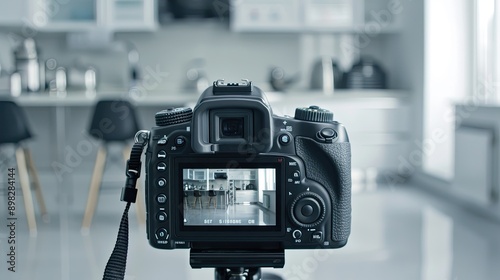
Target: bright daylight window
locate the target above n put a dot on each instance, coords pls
(462, 64)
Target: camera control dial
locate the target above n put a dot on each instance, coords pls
(172, 116)
(313, 114)
(308, 210)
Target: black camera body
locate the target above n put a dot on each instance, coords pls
(231, 175)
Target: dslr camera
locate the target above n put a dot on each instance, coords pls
(230, 175)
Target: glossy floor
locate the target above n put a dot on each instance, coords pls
(397, 233)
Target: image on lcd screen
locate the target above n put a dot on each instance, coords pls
(229, 197)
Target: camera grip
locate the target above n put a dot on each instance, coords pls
(330, 165)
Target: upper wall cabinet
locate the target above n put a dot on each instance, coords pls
(295, 15)
(338, 16)
(80, 15)
(14, 13)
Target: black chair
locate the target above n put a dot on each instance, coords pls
(113, 121)
(212, 197)
(197, 195)
(186, 200)
(14, 129)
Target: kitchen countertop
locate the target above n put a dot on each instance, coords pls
(383, 97)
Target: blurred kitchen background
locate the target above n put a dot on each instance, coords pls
(414, 82)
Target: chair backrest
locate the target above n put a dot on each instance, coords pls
(211, 193)
(114, 120)
(13, 123)
(197, 193)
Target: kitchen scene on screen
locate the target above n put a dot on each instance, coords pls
(241, 197)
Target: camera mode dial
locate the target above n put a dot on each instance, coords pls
(172, 116)
(313, 114)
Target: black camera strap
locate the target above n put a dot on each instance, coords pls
(115, 268)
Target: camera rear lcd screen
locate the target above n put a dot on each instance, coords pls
(229, 197)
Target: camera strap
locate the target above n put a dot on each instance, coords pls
(115, 268)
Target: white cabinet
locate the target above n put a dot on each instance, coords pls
(80, 15)
(14, 13)
(195, 174)
(474, 163)
(242, 174)
(130, 15)
(296, 15)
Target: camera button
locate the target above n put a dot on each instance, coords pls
(162, 154)
(296, 174)
(162, 141)
(161, 166)
(317, 236)
(327, 135)
(162, 182)
(161, 216)
(284, 139)
(307, 210)
(297, 234)
(161, 198)
(180, 141)
(162, 234)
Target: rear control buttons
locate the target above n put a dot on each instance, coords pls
(297, 234)
(162, 182)
(162, 141)
(317, 236)
(308, 210)
(162, 234)
(161, 216)
(162, 154)
(161, 198)
(161, 166)
(180, 141)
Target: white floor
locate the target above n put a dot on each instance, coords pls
(397, 233)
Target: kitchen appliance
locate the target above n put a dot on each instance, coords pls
(220, 175)
(82, 78)
(326, 75)
(27, 65)
(198, 8)
(279, 81)
(367, 74)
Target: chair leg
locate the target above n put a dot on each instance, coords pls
(36, 183)
(139, 202)
(25, 186)
(95, 185)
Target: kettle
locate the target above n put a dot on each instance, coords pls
(326, 75)
(279, 81)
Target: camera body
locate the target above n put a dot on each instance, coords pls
(231, 175)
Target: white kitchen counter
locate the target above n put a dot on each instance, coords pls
(378, 98)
